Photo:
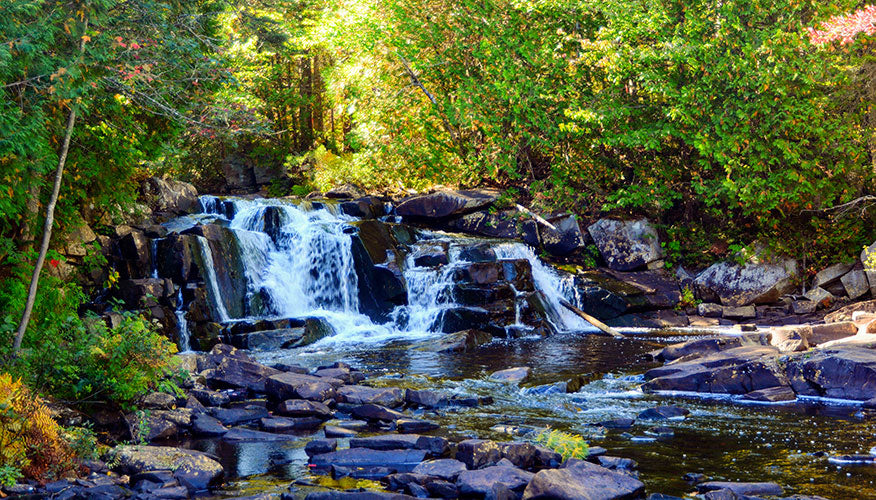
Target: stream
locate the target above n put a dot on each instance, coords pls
(299, 260)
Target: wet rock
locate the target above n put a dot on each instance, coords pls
(457, 319)
(480, 252)
(513, 375)
(772, 489)
(285, 424)
(391, 397)
(235, 373)
(661, 496)
(751, 283)
(372, 412)
(207, 426)
(663, 413)
(302, 408)
(541, 390)
(843, 372)
(135, 251)
(375, 256)
(740, 312)
(237, 416)
(772, 395)
(564, 238)
(412, 425)
(617, 463)
(480, 482)
(193, 469)
(735, 371)
(333, 431)
(579, 480)
(520, 454)
(427, 398)
(145, 292)
(478, 453)
(320, 446)
(444, 468)
(401, 460)
(296, 386)
(699, 347)
(371, 473)
(444, 204)
(626, 245)
(345, 374)
(356, 495)
(651, 319)
(661, 432)
(210, 398)
(546, 458)
(238, 435)
(461, 341)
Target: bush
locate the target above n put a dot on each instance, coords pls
(566, 444)
(30, 441)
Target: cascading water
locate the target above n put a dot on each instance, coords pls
(298, 262)
(182, 324)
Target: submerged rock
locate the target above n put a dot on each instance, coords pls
(514, 375)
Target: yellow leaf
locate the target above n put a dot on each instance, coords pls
(86, 38)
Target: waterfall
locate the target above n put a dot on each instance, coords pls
(297, 261)
(182, 323)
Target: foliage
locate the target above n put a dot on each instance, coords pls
(83, 442)
(870, 259)
(566, 444)
(30, 441)
(688, 299)
(845, 28)
(9, 475)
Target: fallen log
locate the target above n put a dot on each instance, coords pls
(593, 321)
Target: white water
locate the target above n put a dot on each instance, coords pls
(302, 265)
(212, 282)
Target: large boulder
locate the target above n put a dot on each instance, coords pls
(445, 203)
(479, 482)
(579, 480)
(502, 224)
(751, 283)
(233, 373)
(136, 255)
(564, 238)
(378, 258)
(626, 245)
(170, 196)
(193, 469)
(840, 372)
(734, 371)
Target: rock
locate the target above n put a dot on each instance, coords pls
(751, 283)
(427, 398)
(297, 386)
(333, 431)
(78, 239)
(618, 423)
(444, 468)
(233, 373)
(845, 313)
(412, 425)
(461, 341)
(617, 463)
(626, 245)
(237, 416)
(698, 348)
(387, 442)
(345, 374)
(520, 454)
(239, 435)
(563, 240)
(791, 338)
(821, 334)
(513, 375)
(210, 398)
(831, 274)
(478, 453)
(804, 306)
(302, 408)
(377, 258)
(709, 310)
(480, 482)
(320, 446)
(579, 480)
(856, 283)
(192, 469)
(391, 397)
(771, 395)
(207, 426)
(663, 413)
(285, 424)
(741, 312)
(771, 489)
(401, 460)
(356, 495)
(167, 195)
(158, 401)
(842, 372)
(735, 371)
(445, 203)
(345, 191)
(501, 224)
(820, 296)
(145, 292)
(372, 412)
(651, 319)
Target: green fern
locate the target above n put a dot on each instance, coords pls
(566, 444)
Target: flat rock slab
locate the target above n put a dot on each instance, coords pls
(401, 460)
(734, 371)
(320, 446)
(283, 424)
(356, 495)
(237, 416)
(297, 386)
(303, 408)
(248, 435)
(480, 482)
(333, 431)
(207, 426)
(391, 397)
(841, 372)
(194, 470)
(513, 375)
(372, 412)
(478, 453)
(771, 489)
(663, 413)
(412, 425)
(579, 480)
(444, 468)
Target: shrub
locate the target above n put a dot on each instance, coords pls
(30, 441)
(566, 444)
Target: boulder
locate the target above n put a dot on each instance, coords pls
(302, 408)
(345, 191)
(444, 468)
(626, 245)
(845, 313)
(400, 460)
(698, 348)
(478, 453)
(207, 426)
(831, 274)
(373, 412)
(663, 413)
(740, 488)
(579, 480)
(240, 435)
(145, 292)
(565, 238)
(709, 310)
(828, 332)
(391, 397)
(427, 398)
(751, 283)
(855, 283)
(320, 446)
(520, 453)
(461, 341)
(841, 372)
(193, 469)
(78, 240)
(413, 425)
(480, 482)
(286, 424)
(170, 196)
(158, 401)
(771, 395)
(377, 259)
(237, 416)
(514, 375)
(502, 224)
(233, 373)
(739, 312)
(298, 386)
(445, 203)
(820, 296)
(734, 371)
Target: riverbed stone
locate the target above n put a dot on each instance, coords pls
(320, 446)
(444, 468)
(698, 347)
(663, 413)
(292, 385)
(751, 283)
(414, 425)
(193, 469)
(401, 460)
(626, 245)
(373, 412)
(303, 408)
(207, 426)
(285, 424)
(237, 416)
(427, 398)
(334, 431)
(580, 480)
(480, 482)
(520, 453)
(742, 488)
(478, 453)
(838, 372)
(210, 398)
(241, 435)
(461, 341)
(390, 397)
(235, 373)
(513, 375)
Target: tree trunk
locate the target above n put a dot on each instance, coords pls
(318, 91)
(47, 233)
(305, 119)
